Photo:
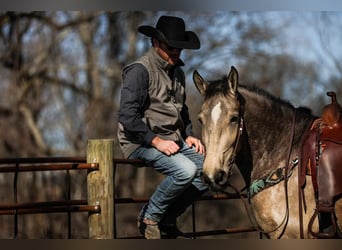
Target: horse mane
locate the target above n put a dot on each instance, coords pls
(303, 110)
(267, 95)
(216, 87)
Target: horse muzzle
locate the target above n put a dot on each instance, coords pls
(218, 180)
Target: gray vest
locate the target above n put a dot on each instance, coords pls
(167, 98)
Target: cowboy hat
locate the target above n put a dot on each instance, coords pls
(171, 30)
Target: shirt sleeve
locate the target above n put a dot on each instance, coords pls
(187, 122)
(134, 98)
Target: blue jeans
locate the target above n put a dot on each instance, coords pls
(181, 169)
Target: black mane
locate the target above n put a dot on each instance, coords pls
(215, 87)
(266, 94)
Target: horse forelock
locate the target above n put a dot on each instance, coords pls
(217, 87)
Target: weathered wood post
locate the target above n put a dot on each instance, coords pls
(100, 188)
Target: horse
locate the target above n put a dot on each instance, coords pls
(247, 127)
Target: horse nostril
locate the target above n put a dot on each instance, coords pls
(221, 177)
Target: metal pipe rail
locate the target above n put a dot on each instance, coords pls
(49, 207)
(39, 160)
(19, 165)
(50, 167)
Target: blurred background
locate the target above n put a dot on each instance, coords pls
(61, 79)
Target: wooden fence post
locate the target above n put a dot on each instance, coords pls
(100, 188)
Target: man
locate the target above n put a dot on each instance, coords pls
(154, 126)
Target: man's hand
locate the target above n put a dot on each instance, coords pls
(193, 141)
(167, 147)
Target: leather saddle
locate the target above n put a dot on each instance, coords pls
(322, 159)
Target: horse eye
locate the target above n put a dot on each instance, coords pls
(234, 119)
(200, 121)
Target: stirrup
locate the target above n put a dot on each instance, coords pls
(327, 235)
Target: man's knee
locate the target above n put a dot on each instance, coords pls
(188, 172)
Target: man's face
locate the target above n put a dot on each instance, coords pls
(168, 53)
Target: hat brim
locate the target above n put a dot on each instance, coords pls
(191, 40)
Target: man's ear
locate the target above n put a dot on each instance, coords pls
(155, 42)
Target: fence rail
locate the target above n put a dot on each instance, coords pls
(49, 207)
(101, 200)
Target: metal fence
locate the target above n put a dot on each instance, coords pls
(94, 204)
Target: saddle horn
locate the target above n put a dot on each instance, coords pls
(331, 112)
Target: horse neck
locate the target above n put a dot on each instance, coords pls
(268, 127)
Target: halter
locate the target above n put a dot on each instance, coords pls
(238, 137)
(237, 141)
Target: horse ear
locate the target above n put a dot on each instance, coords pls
(233, 78)
(200, 83)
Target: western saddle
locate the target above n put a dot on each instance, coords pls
(322, 159)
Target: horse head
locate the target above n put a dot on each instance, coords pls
(222, 122)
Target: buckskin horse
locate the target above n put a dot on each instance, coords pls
(294, 188)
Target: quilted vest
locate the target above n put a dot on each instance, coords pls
(167, 98)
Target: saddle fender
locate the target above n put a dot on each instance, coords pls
(321, 157)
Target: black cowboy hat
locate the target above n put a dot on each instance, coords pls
(171, 30)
